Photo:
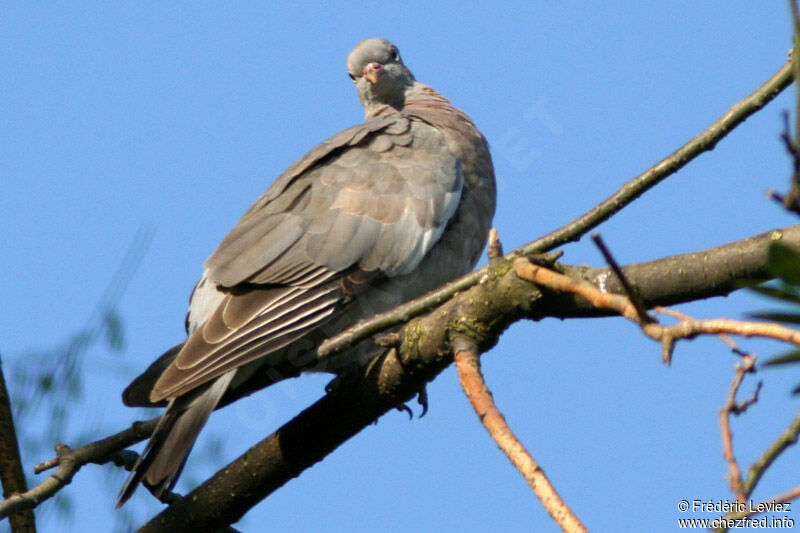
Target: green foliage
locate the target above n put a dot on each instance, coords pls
(112, 327)
(784, 293)
(783, 263)
(790, 357)
(47, 383)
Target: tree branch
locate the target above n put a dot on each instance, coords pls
(480, 313)
(11, 473)
(733, 407)
(681, 278)
(631, 190)
(469, 374)
(69, 461)
(764, 505)
(501, 299)
(785, 440)
(703, 142)
(491, 299)
(688, 328)
(468, 366)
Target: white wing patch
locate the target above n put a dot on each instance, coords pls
(205, 300)
(429, 236)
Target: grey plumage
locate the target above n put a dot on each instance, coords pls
(374, 216)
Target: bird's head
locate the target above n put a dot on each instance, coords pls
(380, 76)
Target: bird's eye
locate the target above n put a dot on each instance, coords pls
(351, 76)
(395, 55)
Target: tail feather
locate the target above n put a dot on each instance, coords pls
(137, 394)
(173, 438)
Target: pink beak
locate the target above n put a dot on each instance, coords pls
(372, 71)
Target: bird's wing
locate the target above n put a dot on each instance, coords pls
(369, 203)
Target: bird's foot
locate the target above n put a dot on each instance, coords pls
(422, 399)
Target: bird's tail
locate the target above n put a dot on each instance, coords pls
(173, 438)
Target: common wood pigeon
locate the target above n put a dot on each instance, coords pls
(375, 216)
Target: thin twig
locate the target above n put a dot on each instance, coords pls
(469, 373)
(69, 461)
(631, 190)
(787, 496)
(495, 246)
(687, 329)
(491, 306)
(724, 337)
(667, 335)
(796, 65)
(623, 280)
(790, 200)
(703, 142)
(767, 505)
(784, 441)
(733, 407)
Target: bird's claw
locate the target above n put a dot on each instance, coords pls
(422, 399)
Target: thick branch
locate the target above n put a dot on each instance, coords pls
(631, 190)
(352, 405)
(11, 473)
(681, 278)
(480, 313)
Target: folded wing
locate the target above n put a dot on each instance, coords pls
(367, 204)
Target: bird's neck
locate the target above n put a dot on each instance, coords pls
(424, 102)
(417, 95)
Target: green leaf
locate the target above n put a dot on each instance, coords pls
(784, 294)
(73, 386)
(786, 318)
(790, 357)
(45, 382)
(784, 262)
(112, 325)
(79, 342)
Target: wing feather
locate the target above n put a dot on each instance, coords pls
(367, 204)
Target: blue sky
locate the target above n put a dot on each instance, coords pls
(177, 116)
